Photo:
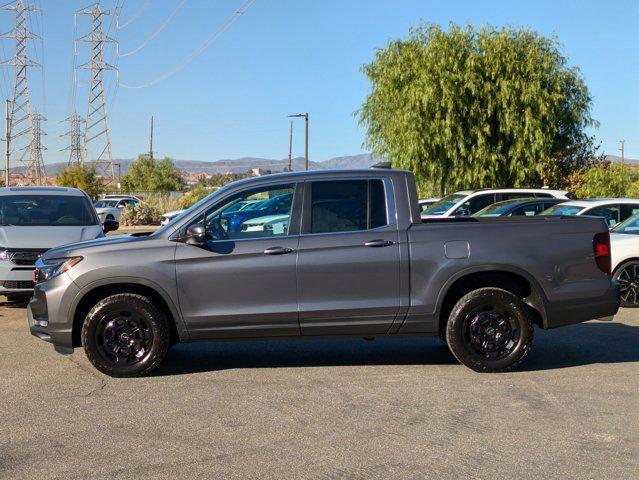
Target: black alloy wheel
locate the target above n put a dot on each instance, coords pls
(125, 335)
(123, 338)
(490, 330)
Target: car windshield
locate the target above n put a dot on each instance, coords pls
(500, 208)
(46, 210)
(442, 206)
(562, 209)
(105, 203)
(629, 226)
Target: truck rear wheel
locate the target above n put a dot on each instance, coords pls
(490, 330)
(125, 335)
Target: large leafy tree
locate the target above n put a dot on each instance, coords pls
(482, 107)
(152, 176)
(82, 177)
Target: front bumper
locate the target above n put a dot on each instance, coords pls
(15, 279)
(48, 312)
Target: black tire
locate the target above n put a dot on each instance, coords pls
(627, 275)
(490, 330)
(125, 335)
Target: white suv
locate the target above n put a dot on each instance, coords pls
(468, 202)
(110, 207)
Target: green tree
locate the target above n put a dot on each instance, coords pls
(82, 177)
(482, 107)
(609, 181)
(157, 176)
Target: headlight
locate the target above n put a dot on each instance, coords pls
(4, 254)
(52, 267)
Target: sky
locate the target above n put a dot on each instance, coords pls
(291, 56)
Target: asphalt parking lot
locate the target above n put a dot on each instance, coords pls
(324, 409)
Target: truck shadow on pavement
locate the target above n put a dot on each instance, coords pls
(577, 345)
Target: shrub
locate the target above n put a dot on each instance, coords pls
(193, 196)
(81, 176)
(142, 214)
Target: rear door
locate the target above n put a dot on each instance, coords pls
(348, 258)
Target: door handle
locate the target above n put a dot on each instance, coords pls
(277, 251)
(378, 243)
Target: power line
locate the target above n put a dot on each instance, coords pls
(162, 26)
(196, 53)
(135, 16)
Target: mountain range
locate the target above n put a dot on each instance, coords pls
(241, 165)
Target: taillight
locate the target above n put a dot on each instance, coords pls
(601, 248)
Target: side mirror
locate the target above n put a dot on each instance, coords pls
(121, 206)
(110, 225)
(196, 234)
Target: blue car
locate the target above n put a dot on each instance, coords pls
(280, 204)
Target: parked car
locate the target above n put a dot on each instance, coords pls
(527, 207)
(110, 207)
(468, 202)
(275, 205)
(274, 223)
(425, 203)
(624, 245)
(355, 260)
(35, 219)
(168, 216)
(613, 210)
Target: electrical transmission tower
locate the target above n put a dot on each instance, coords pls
(36, 146)
(26, 151)
(75, 135)
(96, 127)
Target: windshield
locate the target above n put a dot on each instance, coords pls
(629, 226)
(562, 209)
(105, 203)
(442, 206)
(46, 210)
(499, 209)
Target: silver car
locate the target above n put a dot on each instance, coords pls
(35, 219)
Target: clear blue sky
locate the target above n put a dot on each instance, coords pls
(289, 56)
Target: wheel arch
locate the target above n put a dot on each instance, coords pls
(623, 262)
(96, 291)
(514, 280)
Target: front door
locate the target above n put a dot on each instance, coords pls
(241, 281)
(348, 261)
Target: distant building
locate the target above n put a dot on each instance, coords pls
(256, 172)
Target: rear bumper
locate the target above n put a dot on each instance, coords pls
(560, 314)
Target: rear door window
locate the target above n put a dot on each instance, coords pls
(611, 213)
(528, 210)
(346, 206)
(475, 204)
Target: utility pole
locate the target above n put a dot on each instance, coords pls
(305, 116)
(290, 149)
(7, 145)
(623, 144)
(75, 138)
(21, 122)
(151, 142)
(96, 129)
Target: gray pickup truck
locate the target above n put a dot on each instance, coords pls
(323, 254)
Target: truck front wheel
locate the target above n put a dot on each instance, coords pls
(125, 335)
(490, 330)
